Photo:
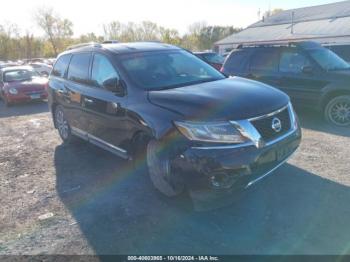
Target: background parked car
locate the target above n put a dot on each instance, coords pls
(20, 84)
(310, 74)
(211, 58)
(41, 68)
(4, 65)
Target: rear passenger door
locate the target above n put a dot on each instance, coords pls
(106, 109)
(303, 87)
(58, 91)
(264, 66)
(75, 89)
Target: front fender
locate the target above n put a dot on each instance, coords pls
(156, 121)
(333, 88)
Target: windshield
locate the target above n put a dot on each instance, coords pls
(163, 70)
(19, 75)
(214, 58)
(328, 60)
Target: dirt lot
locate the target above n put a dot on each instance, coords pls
(99, 204)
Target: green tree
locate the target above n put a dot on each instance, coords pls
(170, 36)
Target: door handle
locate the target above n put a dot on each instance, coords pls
(87, 100)
(61, 91)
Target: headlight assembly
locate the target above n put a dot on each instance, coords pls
(219, 132)
(13, 91)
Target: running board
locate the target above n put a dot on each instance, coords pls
(101, 143)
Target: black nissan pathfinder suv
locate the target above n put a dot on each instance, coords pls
(195, 127)
(313, 76)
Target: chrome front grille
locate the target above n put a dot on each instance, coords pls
(264, 125)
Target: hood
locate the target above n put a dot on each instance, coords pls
(35, 84)
(229, 99)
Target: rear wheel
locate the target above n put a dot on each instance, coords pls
(63, 126)
(162, 175)
(337, 111)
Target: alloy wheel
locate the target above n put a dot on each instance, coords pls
(338, 111)
(62, 124)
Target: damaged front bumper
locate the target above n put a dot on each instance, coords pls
(228, 167)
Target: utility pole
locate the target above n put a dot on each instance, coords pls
(292, 27)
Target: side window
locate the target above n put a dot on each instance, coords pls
(78, 70)
(235, 60)
(265, 59)
(61, 66)
(102, 70)
(293, 62)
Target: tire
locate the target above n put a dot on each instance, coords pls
(63, 127)
(337, 111)
(159, 167)
(7, 103)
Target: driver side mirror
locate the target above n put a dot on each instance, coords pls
(114, 85)
(307, 70)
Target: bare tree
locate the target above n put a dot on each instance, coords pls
(57, 29)
(272, 12)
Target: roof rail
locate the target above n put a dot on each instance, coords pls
(301, 43)
(110, 42)
(92, 44)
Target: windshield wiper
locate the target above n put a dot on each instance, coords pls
(185, 84)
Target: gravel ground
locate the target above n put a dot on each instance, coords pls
(79, 199)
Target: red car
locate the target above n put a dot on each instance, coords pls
(21, 84)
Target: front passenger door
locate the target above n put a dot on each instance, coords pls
(106, 109)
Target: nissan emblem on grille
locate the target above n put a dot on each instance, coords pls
(276, 124)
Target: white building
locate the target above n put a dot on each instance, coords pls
(327, 24)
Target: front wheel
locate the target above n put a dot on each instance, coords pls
(337, 111)
(162, 175)
(7, 103)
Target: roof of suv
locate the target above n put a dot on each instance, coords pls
(122, 48)
(301, 44)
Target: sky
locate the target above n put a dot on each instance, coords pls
(89, 16)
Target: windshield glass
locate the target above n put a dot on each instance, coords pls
(163, 70)
(214, 58)
(328, 60)
(19, 75)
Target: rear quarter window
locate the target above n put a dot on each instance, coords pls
(237, 61)
(61, 66)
